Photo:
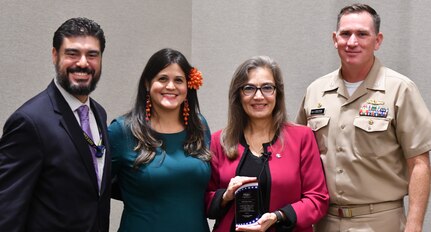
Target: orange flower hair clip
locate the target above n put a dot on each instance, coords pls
(195, 80)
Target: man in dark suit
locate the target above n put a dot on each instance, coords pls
(54, 161)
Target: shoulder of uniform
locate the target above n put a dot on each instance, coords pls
(326, 81)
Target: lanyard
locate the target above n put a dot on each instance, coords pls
(100, 150)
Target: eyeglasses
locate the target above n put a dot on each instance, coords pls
(266, 90)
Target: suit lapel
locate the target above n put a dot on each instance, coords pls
(71, 126)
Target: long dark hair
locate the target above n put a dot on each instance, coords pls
(147, 141)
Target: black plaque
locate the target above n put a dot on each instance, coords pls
(247, 204)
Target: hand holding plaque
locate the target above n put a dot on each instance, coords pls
(247, 204)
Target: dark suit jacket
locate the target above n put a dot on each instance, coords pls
(47, 178)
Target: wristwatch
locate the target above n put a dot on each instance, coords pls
(279, 216)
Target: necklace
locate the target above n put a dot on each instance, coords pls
(256, 152)
(252, 147)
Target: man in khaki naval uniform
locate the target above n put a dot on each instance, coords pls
(374, 133)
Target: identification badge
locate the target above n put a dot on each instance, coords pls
(317, 111)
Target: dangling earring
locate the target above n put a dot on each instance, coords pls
(148, 108)
(186, 111)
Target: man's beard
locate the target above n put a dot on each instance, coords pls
(77, 89)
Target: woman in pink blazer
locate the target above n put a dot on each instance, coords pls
(259, 145)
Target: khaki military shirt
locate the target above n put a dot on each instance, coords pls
(365, 139)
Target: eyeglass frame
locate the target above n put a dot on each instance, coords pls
(259, 88)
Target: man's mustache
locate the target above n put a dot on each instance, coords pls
(78, 69)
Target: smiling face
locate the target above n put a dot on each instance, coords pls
(168, 89)
(258, 106)
(356, 39)
(78, 64)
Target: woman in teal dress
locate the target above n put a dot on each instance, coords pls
(160, 150)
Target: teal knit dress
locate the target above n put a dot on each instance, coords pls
(165, 195)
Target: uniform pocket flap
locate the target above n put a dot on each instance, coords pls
(317, 123)
(371, 124)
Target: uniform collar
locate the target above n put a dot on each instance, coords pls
(375, 79)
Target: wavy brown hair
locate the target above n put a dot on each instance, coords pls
(237, 118)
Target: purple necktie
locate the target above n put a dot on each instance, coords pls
(85, 125)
